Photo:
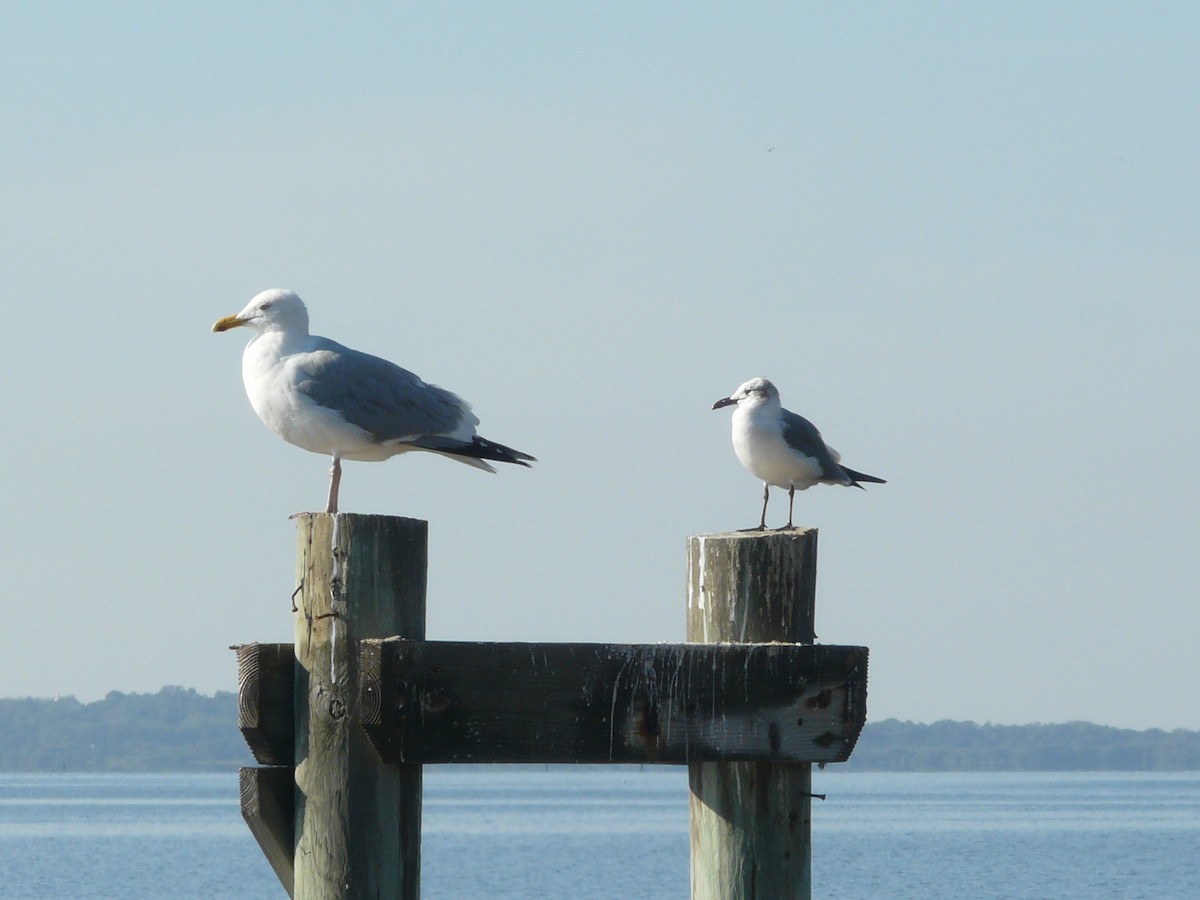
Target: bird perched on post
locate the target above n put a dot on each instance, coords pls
(782, 448)
(324, 397)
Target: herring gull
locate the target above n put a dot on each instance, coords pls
(329, 399)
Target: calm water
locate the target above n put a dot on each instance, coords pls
(622, 833)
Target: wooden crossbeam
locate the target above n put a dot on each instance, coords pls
(266, 676)
(468, 702)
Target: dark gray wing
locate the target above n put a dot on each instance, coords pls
(380, 397)
(802, 435)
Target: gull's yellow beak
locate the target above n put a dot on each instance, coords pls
(226, 323)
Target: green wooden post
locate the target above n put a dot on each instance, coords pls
(358, 820)
(751, 821)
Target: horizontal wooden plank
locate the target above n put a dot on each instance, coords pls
(266, 680)
(468, 702)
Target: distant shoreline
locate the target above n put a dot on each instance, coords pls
(180, 730)
(948, 746)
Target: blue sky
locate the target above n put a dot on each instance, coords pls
(963, 240)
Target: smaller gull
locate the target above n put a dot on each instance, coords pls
(329, 399)
(782, 448)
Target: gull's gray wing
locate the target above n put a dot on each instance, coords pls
(380, 397)
(802, 436)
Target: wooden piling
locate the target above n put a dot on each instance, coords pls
(751, 821)
(358, 822)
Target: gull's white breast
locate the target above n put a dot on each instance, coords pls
(272, 377)
(760, 447)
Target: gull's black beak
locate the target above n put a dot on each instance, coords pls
(724, 401)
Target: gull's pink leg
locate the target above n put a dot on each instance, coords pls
(335, 479)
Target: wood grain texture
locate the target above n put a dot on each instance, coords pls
(467, 702)
(752, 586)
(751, 821)
(358, 820)
(266, 677)
(268, 804)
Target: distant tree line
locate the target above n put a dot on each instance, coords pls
(175, 730)
(179, 730)
(892, 745)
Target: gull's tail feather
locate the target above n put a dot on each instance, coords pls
(856, 477)
(482, 448)
(475, 452)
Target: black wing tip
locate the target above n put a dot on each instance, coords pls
(856, 477)
(516, 457)
(482, 448)
(478, 448)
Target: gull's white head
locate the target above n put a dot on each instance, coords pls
(272, 310)
(755, 392)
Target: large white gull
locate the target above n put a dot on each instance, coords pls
(782, 448)
(329, 399)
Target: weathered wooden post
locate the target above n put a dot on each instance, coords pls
(357, 821)
(747, 704)
(751, 821)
